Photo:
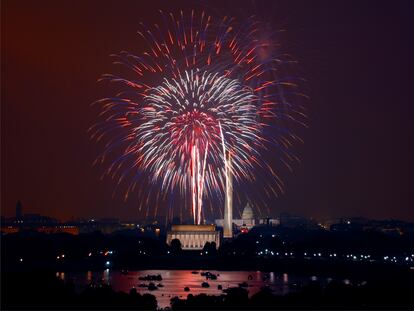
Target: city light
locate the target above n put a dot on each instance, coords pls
(202, 132)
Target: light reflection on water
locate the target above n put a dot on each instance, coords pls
(174, 282)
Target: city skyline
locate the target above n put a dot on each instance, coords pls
(356, 156)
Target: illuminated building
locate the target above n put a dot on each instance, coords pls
(247, 221)
(59, 229)
(194, 237)
(269, 221)
(9, 229)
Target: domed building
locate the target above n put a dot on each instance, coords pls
(247, 220)
(248, 212)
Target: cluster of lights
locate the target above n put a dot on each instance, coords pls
(60, 256)
(410, 259)
(103, 253)
(354, 257)
(335, 255)
(394, 259)
(358, 257)
(269, 252)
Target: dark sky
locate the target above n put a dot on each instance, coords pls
(357, 57)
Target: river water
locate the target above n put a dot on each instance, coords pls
(174, 282)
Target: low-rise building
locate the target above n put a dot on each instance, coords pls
(194, 237)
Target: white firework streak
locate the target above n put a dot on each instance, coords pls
(181, 132)
(216, 74)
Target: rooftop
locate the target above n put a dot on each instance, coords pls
(193, 228)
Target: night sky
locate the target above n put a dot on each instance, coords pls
(357, 58)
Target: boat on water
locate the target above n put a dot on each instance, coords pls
(205, 285)
(151, 286)
(149, 277)
(209, 275)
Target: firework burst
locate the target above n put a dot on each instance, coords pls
(201, 92)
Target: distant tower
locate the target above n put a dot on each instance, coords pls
(228, 205)
(19, 214)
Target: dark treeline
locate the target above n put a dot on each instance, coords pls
(44, 291)
(32, 251)
(335, 295)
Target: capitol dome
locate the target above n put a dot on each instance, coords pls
(247, 212)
